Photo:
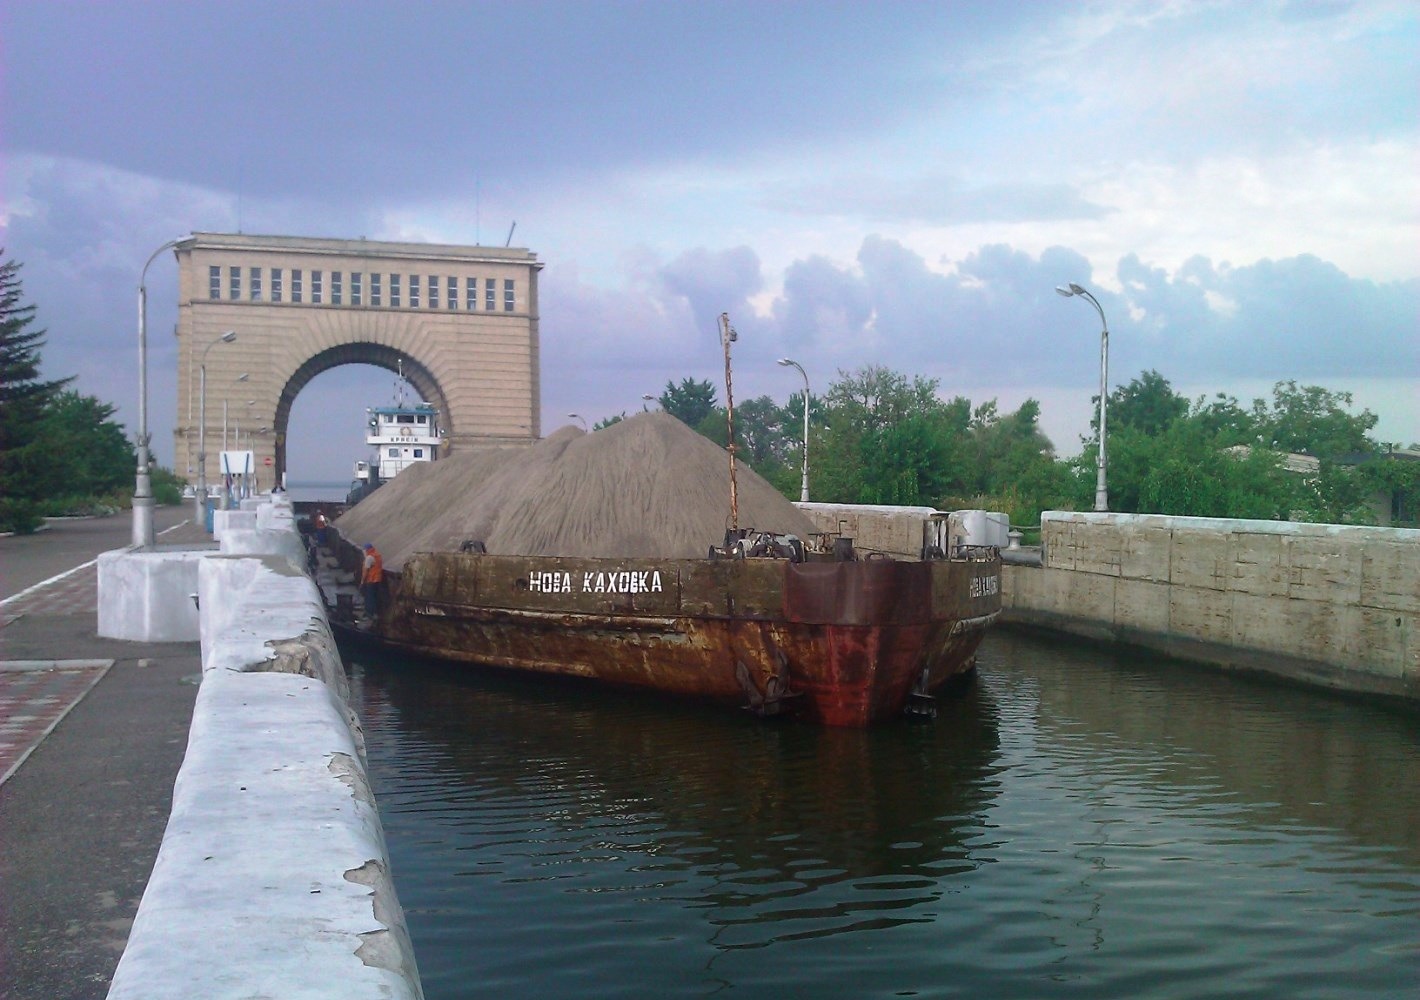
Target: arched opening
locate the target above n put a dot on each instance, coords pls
(418, 376)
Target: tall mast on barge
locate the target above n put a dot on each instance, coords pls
(727, 337)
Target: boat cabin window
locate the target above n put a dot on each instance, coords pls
(394, 453)
(406, 418)
(423, 420)
(418, 452)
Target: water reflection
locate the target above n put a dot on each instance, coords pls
(1250, 751)
(1075, 822)
(770, 832)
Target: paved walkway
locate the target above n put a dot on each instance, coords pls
(34, 696)
(92, 732)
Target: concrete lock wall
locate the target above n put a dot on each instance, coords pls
(273, 876)
(1334, 605)
(146, 595)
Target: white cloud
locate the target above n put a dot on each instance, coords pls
(1236, 181)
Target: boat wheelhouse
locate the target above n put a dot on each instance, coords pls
(403, 435)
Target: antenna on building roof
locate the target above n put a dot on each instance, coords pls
(509, 241)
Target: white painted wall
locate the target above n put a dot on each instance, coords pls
(146, 595)
(273, 878)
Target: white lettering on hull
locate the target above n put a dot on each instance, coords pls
(985, 586)
(626, 581)
(545, 582)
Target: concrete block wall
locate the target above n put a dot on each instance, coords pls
(146, 595)
(1330, 604)
(895, 530)
(273, 877)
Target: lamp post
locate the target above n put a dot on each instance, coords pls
(804, 490)
(236, 443)
(1101, 491)
(578, 417)
(143, 486)
(240, 378)
(200, 502)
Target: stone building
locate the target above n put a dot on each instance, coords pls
(461, 322)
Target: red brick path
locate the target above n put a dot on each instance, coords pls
(34, 696)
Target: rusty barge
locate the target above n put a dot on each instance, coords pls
(841, 641)
(585, 555)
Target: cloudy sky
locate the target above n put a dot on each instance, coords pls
(890, 183)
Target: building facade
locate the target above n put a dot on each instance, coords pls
(460, 322)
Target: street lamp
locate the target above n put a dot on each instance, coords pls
(804, 489)
(240, 378)
(648, 399)
(143, 486)
(579, 417)
(1101, 492)
(236, 443)
(200, 504)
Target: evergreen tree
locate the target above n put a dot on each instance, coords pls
(24, 400)
(690, 402)
(88, 454)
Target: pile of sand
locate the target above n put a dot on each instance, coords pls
(645, 487)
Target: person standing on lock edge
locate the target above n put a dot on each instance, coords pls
(370, 578)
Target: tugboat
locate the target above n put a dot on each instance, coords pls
(400, 435)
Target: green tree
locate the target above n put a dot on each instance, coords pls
(690, 402)
(1313, 420)
(887, 439)
(1225, 419)
(1148, 404)
(1398, 481)
(1011, 465)
(24, 397)
(90, 455)
(1337, 494)
(1187, 470)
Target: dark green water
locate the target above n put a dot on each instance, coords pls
(1077, 823)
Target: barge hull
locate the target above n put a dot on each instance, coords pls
(841, 644)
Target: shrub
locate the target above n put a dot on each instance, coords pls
(19, 516)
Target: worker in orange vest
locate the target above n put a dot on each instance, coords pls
(370, 578)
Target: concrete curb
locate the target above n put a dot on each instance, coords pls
(273, 876)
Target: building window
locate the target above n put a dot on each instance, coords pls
(375, 288)
(508, 295)
(295, 284)
(316, 287)
(453, 294)
(414, 291)
(470, 300)
(433, 291)
(214, 282)
(276, 284)
(490, 296)
(255, 275)
(394, 291)
(355, 291)
(234, 282)
(336, 287)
